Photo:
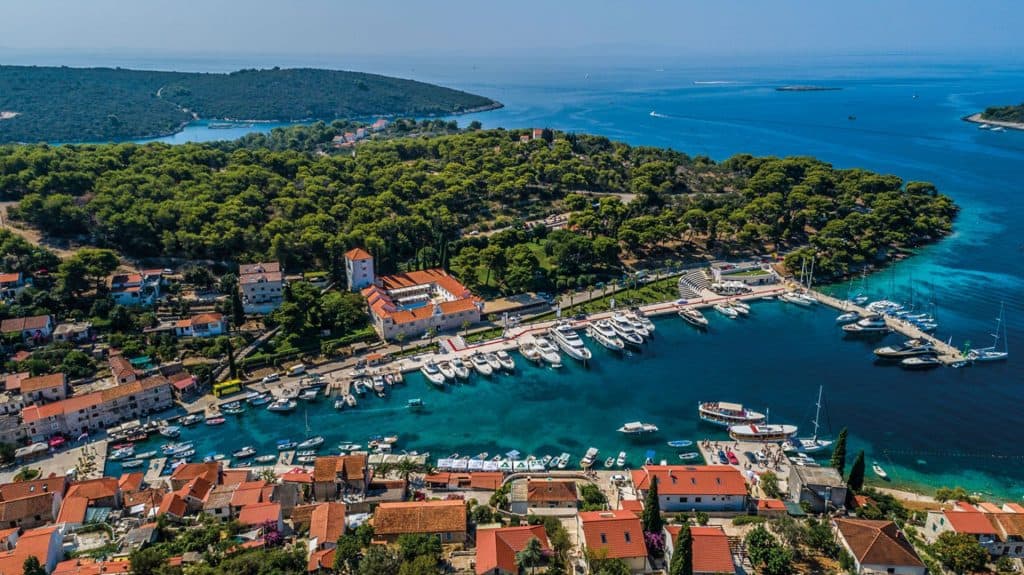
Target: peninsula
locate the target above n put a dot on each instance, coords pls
(1011, 117)
(101, 104)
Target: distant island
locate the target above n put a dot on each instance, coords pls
(101, 104)
(1006, 116)
(806, 89)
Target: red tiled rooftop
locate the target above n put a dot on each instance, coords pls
(357, 254)
(766, 504)
(711, 553)
(94, 489)
(497, 548)
(17, 324)
(420, 517)
(973, 522)
(42, 382)
(13, 381)
(86, 566)
(618, 531)
(72, 510)
(259, 513)
(19, 489)
(327, 522)
(691, 480)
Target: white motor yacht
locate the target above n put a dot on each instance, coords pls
(638, 326)
(282, 405)
(727, 413)
(848, 317)
(493, 361)
(481, 365)
(625, 331)
(506, 361)
(765, 432)
(741, 307)
(446, 369)
(604, 334)
(548, 351)
(461, 370)
(570, 342)
(693, 317)
(791, 297)
(432, 372)
(529, 350)
(873, 324)
(726, 310)
(637, 427)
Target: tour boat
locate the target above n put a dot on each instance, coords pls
(793, 298)
(446, 369)
(920, 362)
(588, 457)
(529, 350)
(621, 459)
(812, 443)
(848, 317)
(548, 351)
(993, 353)
(493, 361)
(282, 405)
(215, 420)
(432, 372)
(636, 427)
(909, 348)
(726, 310)
(191, 419)
(570, 342)
(680, 443)
(311, 443)
(625, 330)
(285, 445)
(868, 325)
(480, 364)
(461, 370)
(725, 413)
(879, 471)
(506, 361)
(247, 451)
(694, 317)
(604, 334)
(765, 432)
(266, 459)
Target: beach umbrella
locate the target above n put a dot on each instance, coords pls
(505, 465)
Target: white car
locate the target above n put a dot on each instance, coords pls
(618, 478)
(271, 378)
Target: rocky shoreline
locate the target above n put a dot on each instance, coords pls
(978, 119)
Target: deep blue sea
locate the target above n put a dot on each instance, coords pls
(945, 427)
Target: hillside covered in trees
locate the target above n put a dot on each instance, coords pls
(99, 104)
(424, 201)
(1004, 113)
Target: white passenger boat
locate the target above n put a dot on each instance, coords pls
(529, 350)
(604, 334)
(570, 342)
(481, 365)
(625, 329)
(461, 370)
(726, 310)
(548, 351)
(446, 369)
(282, 405)
(764, 432)
(506, 361)
(693, 317)
(637, 427)
(727, 414)
(432, 373)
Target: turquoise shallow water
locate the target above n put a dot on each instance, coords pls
(963, 425)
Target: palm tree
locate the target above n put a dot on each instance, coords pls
(405, 468)
(530, 555)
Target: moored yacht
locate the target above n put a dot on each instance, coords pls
(529, 350)
(639, 326)
(848, 317)
(693, 317)
(570, 342)
(644, 321)
(281, 405)
(763, 432)
(812, 443)
(726, 413)
(637, 427)
(589, 457)
(446, 369)
(793, 298)
(506, 361)
(603, 334)
(868, 325)
(548, 351)
(740, 307)
(726, 310)
(993, 353)
(433, 374)
(920, 362)
(626, 329)
(493, 361)
(480, 364)
(461, 370)
(909, 348)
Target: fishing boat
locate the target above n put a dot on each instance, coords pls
(624, 329)
(493, 361)
(415, 404)
(693, 317)
(689, 456)
(621, 459)
(174, 448)
(311, 443)
(529, 350)
(589, 457)
(879, 471)
(282, 405)
(145, 455)
(993, 353)
(446, 369)
(265, 459)
(563, 460)
(604, 334)
(349, 446)
(680, 443)
(793, 298)
(122, 454)
(725, 413)
(432, 372)
(169, 431)
(306, 453)
(506, 361)
(909, 348)
(570, 342)
(726, 310)
(920, 362)
(848, 317)
(190, 419)
(869, 325)
(245, 452)
(261, 399)
(548, 351)
(461, 370)
(184, 455)
(215, 420)
(286, 445)
(233, 410)
(637, 427)
(131, 463)
(305, 459)
(813, 443)
(763, 432)
(480, 364)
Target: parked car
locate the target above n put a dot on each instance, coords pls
(271, 378)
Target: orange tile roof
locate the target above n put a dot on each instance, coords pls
(72, 510)
(973, 522)
(357, 254)
(711, 553)
(209, 471)
(1014, 507)
(120, 366)
(877, 543)
(130, 481)
(497, 548)
(634, 505)
(94, 489)
(34, 413)
(297, 477)
(691, 480)
(1010, 524)
(327, 522)
(259, 513)
(172, 503)
(86, 566)
(420, 517)
(618, 531)
(42, 382)
(549, 491)
(205, 318)
(489, 480)
(326, 468)
(14, 510)
(248, 493)
(260, 267)
(34, 542)
(323, 559)
(24, 323)
(764, 504)
(468, 304)
(196, 488)
(10, 277)
(234, 476)
(13, 381)
(21, 489)
(6, 533)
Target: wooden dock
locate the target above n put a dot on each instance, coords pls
(947, 353)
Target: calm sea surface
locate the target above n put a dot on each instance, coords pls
(945, 427)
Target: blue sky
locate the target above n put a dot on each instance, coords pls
(513, 28)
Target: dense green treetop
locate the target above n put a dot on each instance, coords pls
(1004, 113)
(99, 104)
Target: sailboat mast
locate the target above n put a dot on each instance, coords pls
(817, 411)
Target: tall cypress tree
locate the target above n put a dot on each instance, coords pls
(856, 479)
(651, 517)
(839, 453)
(682, 559)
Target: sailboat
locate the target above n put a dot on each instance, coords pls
(993, 353)
(812, 443)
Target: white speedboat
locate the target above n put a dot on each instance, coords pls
(637, 427)
(791, 297)
(740, 307)
(621, 459)
(308, 395)
(433, 373)
(920, 362)
(984, 126)
(625, 329)
(570, 342)
(693, 317)
(765, 432)
(879, 471)
(170, 431)
(350, 400)
(848, 317)
(727, 414)
(589, 457)
(282, 405)
(461, 370)
(909, 348)
(604, 334)
(506, 361)
(480, 364)
(868, 325)
(726, 310)
(247, 451)
(493, 361)
(563, 460)
(266, 459)
(446, 369)
(548, 351)
(285, 445)
(311, 443)
(529, 350)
